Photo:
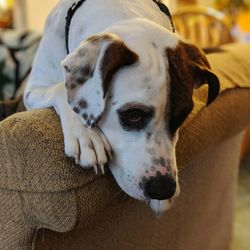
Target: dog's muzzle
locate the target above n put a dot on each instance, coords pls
(160, 187)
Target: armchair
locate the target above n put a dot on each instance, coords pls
(46, 202)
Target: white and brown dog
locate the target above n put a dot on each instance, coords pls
(127, 75)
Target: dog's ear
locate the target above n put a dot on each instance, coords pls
(188, 69)
(89, 71)
(200, 67)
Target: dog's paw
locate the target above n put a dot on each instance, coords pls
(89, 147)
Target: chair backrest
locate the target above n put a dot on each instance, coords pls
(204, 26)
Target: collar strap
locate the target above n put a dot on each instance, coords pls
(166, 11)
(78, 4)
(69, 17)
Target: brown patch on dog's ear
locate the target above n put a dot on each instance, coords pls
(100, 38)
(76, 77)
(180, 90)
(201, 70)
(188, 69)
(89, 70)
(116, 56)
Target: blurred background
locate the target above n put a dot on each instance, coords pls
(207, 23)
(25, 14)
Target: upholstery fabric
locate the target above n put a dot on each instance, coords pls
(41, 188)
(200, 219)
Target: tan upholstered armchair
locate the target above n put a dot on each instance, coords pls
(46, 202)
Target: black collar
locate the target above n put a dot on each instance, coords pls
(166, 11)
(69, 16)
(78, 4)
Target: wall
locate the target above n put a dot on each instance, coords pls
(206, 2)
(37, 11)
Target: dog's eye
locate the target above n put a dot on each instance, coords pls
(135, 118)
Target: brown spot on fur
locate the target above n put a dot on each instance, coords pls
(81, 74)
(83, 104)
(85, 116)
(72, 86)
(188, 67)
(152, 168)
(154, 45)
(87, 71)
(67, 69)
(78, 76)
(81, 80)
(100, 38)
(76, 110)
(160, 161)
(116, 56)
(89, 123)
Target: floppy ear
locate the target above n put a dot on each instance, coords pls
(188, 69)
(89, 71)
(200, 67)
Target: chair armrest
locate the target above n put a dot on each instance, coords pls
(41, 187)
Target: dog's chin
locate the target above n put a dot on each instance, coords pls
(160, 206)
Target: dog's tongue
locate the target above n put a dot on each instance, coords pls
(159, 206)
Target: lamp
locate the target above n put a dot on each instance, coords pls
(6, 7)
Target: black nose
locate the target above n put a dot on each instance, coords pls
(160, 187)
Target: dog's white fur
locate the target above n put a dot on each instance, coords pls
(139, 24)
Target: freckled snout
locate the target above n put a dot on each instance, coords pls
(160, 187)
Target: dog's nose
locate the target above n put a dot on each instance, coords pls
(160, 187)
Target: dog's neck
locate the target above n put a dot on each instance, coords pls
(70, 14)
(76, 5)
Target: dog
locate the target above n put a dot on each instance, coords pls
(125, 88)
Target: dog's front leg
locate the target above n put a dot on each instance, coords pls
(87, 146)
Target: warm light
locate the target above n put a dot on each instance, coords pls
(6, 10)
(243, 21)
(5, 4)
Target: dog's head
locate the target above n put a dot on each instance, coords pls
(139, 93)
